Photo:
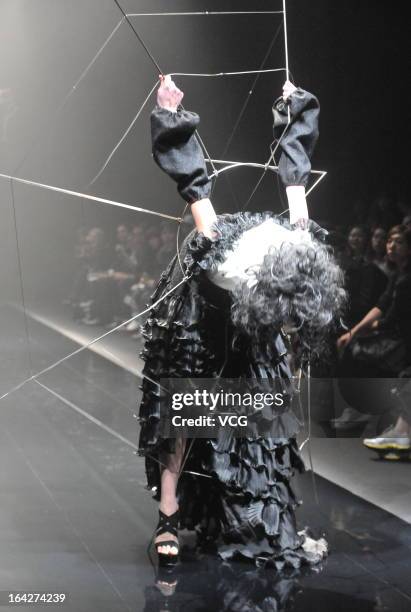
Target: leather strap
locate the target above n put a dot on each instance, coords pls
(168, 524)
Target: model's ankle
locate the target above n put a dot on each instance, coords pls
(401, 431)
(168, 507)
(401, 427)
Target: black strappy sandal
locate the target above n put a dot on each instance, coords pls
(167, 524)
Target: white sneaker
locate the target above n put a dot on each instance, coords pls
(389, 439)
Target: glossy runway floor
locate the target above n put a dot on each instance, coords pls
(75, 517)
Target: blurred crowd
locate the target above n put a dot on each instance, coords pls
(114, 279)
(369, 259)
(115, 275)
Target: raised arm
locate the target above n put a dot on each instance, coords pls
(177, 151)
(297, 145)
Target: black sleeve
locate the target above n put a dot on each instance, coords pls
(298, 143)
(372, 287)
(402, 300)
(385, 300)
(177, 151)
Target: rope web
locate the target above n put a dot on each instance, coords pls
(217, 167)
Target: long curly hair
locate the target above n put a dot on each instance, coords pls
(299, 285)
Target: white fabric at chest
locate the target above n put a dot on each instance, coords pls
(249, 251)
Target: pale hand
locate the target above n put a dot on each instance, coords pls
(169, 96)
(343, 341)
(288, 89)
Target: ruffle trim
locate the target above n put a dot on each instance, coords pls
(205, 254)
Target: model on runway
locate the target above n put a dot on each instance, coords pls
(251, 278)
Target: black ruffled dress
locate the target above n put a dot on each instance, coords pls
(234, 491)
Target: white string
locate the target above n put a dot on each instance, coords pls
(320, 178)
(115, 359)
(21, 284)
(221, 74)
(72, 90)
(286, 52)
(87, 415)
(124, 136)
(92, 61)
(106, 428)
(258, 165)
(200, 140)
(308, 439)
(178, 239)
(126, 133)
(152, 58)
(250, 93)
(210, 13)
(286, 39)
(91, 342)
(86, 196)
(267, 165)
(234, 164)
(243, 164)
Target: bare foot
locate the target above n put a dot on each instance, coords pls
(167, 550)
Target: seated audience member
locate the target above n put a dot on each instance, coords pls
(377, 256)
(138, 245)
(124, 260)
(406, 222)
(391, 316)
(377, 253)
(148, 270)
(94, 258)
(97, 306)
(98, 298)
(364, 281)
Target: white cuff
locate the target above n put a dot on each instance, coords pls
(297, 203)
